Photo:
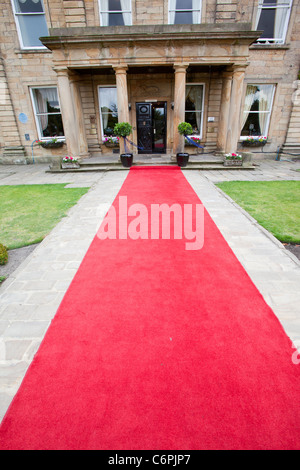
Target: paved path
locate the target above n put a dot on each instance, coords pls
(30, 297)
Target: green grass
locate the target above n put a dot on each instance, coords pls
(274, 204)
(29, 212)
(2, 278)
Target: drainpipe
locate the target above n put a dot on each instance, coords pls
(32, 150)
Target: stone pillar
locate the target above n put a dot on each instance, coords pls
(224, 110)
(122, 97)
(179, 106)
(78, 115)
(233, 128)
(68, 112)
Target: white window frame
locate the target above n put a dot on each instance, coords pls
(244, 137)
(100, 112)
(261, 7)
(174, 10)
(101, 11)
(197, 110)
(16, 15)
(36, 113)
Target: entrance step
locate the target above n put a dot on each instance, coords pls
(112, 163)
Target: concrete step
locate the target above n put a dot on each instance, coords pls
(99, 168)
(152, 161)
(112, 163)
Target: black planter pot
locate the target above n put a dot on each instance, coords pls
(126, 159)
(182, 159)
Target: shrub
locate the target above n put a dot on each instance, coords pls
(184, 128)
(3, 254)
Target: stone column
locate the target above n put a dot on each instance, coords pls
(233, 128)
(68, 113)
(122, 97)
(224, 110)
(78, 114)
(179, 106)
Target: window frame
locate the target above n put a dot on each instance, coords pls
(19, 31)
(200, 136)
(172, 10)
(37, 114)
(101, 11)
(99, 103)
(267, 126)
(272, 41)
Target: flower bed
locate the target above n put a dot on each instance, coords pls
(111, 141)
(233, 159)
(254, 141)
(197, 140)
(70, 162)
(50, 144)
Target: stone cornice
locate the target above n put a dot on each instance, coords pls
(229, 32)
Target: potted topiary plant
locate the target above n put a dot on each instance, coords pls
(184, 129)
(123, 129)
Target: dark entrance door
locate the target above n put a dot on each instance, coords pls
(151, 127)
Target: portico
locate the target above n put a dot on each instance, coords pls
(152, 64)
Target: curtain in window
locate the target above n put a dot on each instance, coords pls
(108, 104)
(249, 100)
(41, 104)
(104, 8)
(280, 19)
(32, 22)
(46, 101)
(257, 108)
(125, 5)
(272, 19)
(265, 101)
(172, 6)
(194, 94)
(126, 12)
(29, 6)
(196, 14)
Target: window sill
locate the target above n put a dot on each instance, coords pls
(270, 46)
(33, 51)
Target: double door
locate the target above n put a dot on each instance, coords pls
(151, 127)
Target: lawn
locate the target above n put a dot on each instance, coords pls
(274, 204)
(29, 212)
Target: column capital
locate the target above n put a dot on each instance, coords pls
(227, 72)
(180, 67)
(120, 68)
(61, 71)
(239, 67)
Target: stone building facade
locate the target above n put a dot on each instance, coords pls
(71, 69)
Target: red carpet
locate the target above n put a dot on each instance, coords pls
(157, 347)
